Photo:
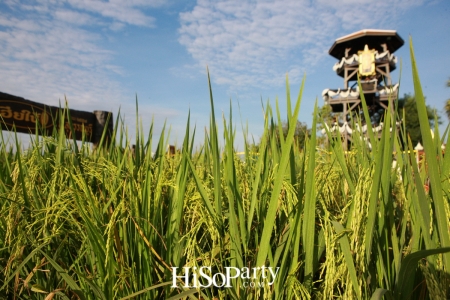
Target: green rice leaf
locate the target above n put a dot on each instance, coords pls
(345, 246)
(442, 217)
(408, 266)
(67, 278)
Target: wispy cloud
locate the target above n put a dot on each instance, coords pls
(49, 49)
(52, 50)
(74, 17)
(129, 12)
(249, 43)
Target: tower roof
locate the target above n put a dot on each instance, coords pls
(374, 38)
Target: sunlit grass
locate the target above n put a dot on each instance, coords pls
(77, 223)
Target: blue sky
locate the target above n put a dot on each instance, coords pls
(101, 54)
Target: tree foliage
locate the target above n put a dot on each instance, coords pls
(325, 116)
(301, 131)
(447, 103)
(408, 110)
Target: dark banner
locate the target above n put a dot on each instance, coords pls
(24, 114)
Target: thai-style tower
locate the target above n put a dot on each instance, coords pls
(367, 54)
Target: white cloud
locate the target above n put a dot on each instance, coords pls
(122, 11)
(49, 58)
(74, 17)
(51, 50)
(249, 43)
(48, 48)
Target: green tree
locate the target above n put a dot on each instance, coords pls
(325, 116)
(406, 105)
(408, 109)
(447, 104)
(301, 131)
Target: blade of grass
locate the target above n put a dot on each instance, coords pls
(442, 218)
(408, 266)
(345, 246)
(309, 209)
(280, 173)
(67, 278)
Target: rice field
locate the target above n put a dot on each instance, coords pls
(112, 223)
